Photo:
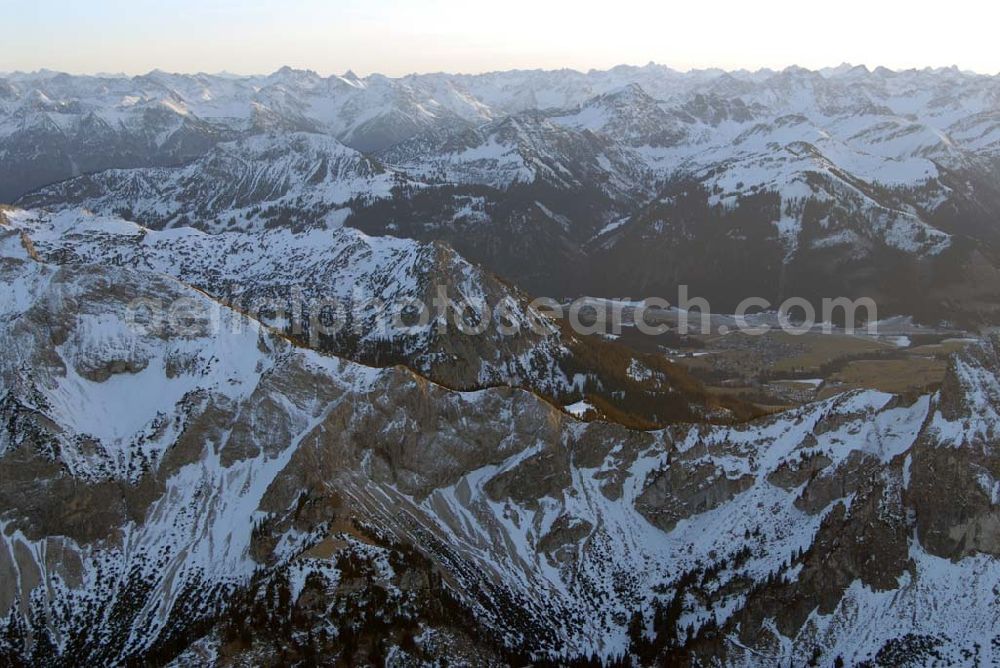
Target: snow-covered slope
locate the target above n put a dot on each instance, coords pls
(629, 115)
(286, 278)
(246, 184)
(376, 300)
(522, 149)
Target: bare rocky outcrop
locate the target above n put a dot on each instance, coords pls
(956, 464)
(685, 490)
(790, 475)
(825, 485)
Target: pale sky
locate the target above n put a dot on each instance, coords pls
(395, 37)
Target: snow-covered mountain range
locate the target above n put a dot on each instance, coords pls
(543, 175)
(242, 184)
(889, 126)
(242, 485)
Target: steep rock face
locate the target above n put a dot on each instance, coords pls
(681, 492)
(955, 468)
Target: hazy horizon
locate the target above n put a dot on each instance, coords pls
(363, 75)
(393, 38)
